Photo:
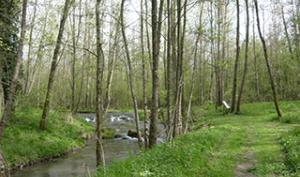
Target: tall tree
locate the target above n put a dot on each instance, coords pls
(287, 36)
(255, 58)
(100, 160)
(193, 77)
(179, 92)
(211, 23)
(168, 81)
(144, 80)
(271, 78)
(29, 59)
(238, 104)
(218, 63)
(75, 39)
(156, 28)
(236, 62)
(113, 54)
(43, 122)
(130, 74)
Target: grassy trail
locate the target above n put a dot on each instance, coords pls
(253, 146)
(250, 144)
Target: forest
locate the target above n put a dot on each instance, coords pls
(149, 88)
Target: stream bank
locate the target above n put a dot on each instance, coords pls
(24, 144)
(83, 162)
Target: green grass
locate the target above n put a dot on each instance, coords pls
(24, 142)
(291, 144)
(218, 150)
(187, 157)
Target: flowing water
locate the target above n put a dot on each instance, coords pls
(83, 162)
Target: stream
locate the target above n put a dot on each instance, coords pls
(83, 162)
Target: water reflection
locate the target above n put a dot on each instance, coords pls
(81, 163)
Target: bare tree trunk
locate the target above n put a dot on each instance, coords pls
(286, 33)
(12, 90)
(29, 59)
(75, 39)
(238, 106)
(211, 21)
(178, 121)
(144, 80)
(181, 119)
(275, 99)
(224, 53)
(100, 160)
(236, 63)
(218, 74)
(111, 67)
(255, 59)
(147, 34)
(173, 68)
(169, 48)
(130, 75)
(73, 63)
(43, 122)
(189, 110)
(88, 61)
(39, 56)
(156, 27)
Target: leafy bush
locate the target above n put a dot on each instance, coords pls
(108, 133)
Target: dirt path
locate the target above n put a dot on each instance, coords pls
(244, 168)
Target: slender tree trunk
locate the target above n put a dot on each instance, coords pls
(218, 90)
(156, 27)
(73, 63)
(29, 59)
(111, 67)
(286, 33)
(88, 61)
(173, 68)
(275, 99)
(238, 105)
(148, 34)
(224, 53)
(182, 120)
(236, 63)
(75, 39)
(189, 110)
(43, 122)
(39, 56)
(169, 48)
(130, 75)
(178, 121)
(177, 111)
(12, 90)
(211, 21)
(144, 80)
(100, 159)
(255, 59)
